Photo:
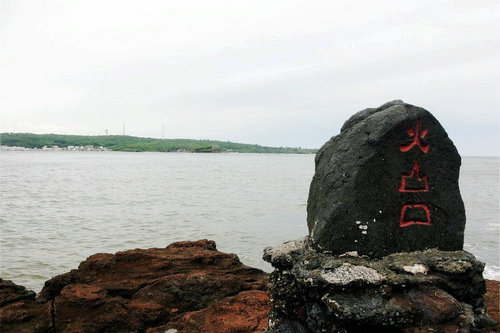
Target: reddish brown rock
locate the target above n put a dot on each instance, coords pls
(19, 312)
(134, 290)
(245, 312)
(492, 300)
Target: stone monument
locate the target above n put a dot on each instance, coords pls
(386, 229)
(387, 183)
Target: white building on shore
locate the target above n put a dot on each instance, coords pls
(56, 148)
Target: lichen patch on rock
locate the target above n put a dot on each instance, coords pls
(416, 269)
(348, 273)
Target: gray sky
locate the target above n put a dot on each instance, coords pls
(279, 73)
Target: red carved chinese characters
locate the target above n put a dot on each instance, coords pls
(415, 213)
(417, 134)
(421, 210)
(413, 182)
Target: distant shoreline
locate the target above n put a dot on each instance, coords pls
(104, 149)
(59, 142)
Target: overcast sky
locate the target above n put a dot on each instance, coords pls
(279, 73)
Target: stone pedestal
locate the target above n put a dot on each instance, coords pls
(422, 291)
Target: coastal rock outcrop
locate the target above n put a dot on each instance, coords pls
(184, 284)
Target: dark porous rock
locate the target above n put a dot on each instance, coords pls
(387, 183)
(420, 291)
(132, 291)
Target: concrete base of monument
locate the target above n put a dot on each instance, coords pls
(421, 291)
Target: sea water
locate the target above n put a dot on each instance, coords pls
(57, 208)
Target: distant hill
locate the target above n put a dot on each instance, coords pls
(137, 144)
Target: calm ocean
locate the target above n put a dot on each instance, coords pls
(57, 208)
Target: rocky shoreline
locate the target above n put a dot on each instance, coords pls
(185, 287)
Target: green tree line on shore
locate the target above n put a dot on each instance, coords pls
(138, 144)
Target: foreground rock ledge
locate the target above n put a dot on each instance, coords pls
(185, 287)
(178, 289)
(422, 291)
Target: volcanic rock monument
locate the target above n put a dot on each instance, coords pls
(388, 183)
(386, 228)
